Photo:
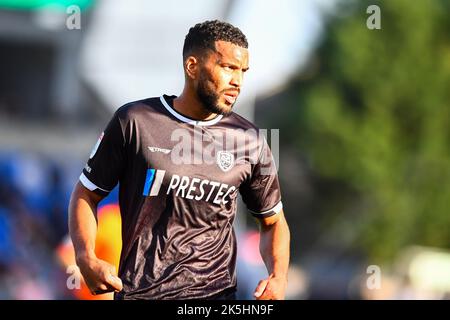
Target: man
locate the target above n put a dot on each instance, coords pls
(178, 202)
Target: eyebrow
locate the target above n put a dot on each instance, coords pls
(233, 64)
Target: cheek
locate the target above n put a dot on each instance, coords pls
(217, 79)
(206, 81)
(211, 84)
(223, 79)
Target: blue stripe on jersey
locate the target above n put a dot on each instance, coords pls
(148, 181)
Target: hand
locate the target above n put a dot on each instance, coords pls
(272, 288)
(99, 275)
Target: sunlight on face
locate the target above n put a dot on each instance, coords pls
(221, 77)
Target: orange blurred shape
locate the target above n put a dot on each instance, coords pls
(108, 246)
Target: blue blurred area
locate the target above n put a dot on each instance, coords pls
(34, 193)
(112, 197)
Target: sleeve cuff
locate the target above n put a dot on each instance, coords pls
(88, 184)
(268, 213)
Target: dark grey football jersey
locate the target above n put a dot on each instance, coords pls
(178, 183)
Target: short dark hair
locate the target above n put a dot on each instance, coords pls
(203, 36)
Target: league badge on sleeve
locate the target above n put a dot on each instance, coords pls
(94, 150)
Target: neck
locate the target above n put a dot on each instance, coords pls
(188, 104)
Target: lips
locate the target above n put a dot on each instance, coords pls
(231, 96)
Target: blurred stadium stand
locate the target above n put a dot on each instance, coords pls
(59, 87)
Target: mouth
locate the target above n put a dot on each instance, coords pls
(231, 96)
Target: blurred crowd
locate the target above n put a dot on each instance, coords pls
(34, 192)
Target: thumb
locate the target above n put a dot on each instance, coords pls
(114, 280)
(112, 270)
(260, 288)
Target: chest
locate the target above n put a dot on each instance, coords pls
(192, 160)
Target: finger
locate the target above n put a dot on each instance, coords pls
(112, 270)
(260, 288)
(102, 288)
(98, 291)
(266, 295)
(115, 282)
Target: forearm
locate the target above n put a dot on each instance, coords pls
(83, 223)
(99, 275)
(274, 247)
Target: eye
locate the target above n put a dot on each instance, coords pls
(227, 68)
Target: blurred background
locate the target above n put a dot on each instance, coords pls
(363, 114)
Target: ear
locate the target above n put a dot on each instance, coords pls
(191, 65)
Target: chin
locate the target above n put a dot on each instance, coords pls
(225, 107)
(219, 108)
(226, 110)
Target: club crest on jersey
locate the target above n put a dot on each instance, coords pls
(225, 160)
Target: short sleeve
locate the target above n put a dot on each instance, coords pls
(106, 161)
(261, 191)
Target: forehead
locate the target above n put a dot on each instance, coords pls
(227, 51)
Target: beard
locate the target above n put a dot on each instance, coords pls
(210, 98)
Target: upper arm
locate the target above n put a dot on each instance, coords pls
(107, 160)
(81, 192)
(271, 220)
(261, 191)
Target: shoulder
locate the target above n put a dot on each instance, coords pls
(237, 121)
(135, 109)
(246, 132)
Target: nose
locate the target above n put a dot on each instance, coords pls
(236, 80)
